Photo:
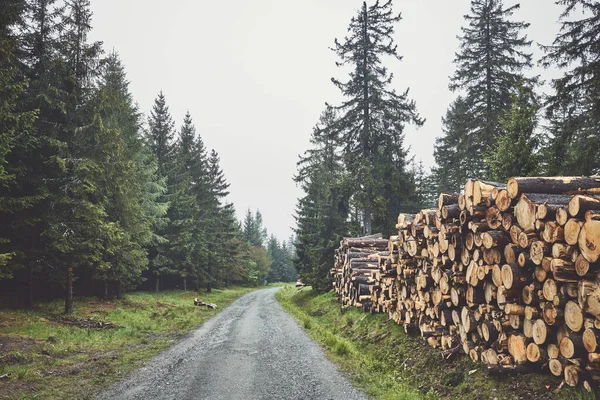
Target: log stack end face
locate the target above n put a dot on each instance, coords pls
(505, 273)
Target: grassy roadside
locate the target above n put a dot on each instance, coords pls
(48, 356)
(388, 364)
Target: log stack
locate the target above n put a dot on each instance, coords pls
(505, 273)
(358, 276)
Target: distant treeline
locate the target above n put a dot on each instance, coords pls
(92, 193)
(358, 175)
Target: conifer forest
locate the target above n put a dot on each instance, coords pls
(94, 195)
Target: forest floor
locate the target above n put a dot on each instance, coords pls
(45, 354)
(379, 357)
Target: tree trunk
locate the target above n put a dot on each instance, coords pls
(185, 283)
(105, 290)
(119, 290)
(157, 284)
(69, 294)
(367, 211)
(29, 299)
(557, 185)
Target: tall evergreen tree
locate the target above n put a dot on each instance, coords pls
(490, 62)
(253, 230)
(130, 180)
(16, 125)
(574, 107)
(322, 213)
(79, 224)
(248, 226)
(276, 268)
(160, 138)
(34, 160)
(183, 210)
(222, 228)
(373, 116)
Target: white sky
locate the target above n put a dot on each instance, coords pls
(255, 75)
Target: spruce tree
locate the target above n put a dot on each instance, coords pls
(288, 272)
(16, 126)
(253, 230)
(222, 227)
(275, 254)
(160, 140)
(248, 226)
(79, 223)
(129, 180)
(490, 62)
(183, 211)
(322, 213)
(574, 107)
(373, 115)
(34, 161)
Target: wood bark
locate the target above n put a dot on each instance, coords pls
(557, 185)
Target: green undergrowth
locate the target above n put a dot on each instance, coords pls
(384, 361)
(44, 356)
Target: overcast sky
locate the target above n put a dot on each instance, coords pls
(255, 75)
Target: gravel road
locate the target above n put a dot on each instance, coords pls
(251, 350)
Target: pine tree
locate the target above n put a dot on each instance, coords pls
(16, 125)
(574, 107)
(276, 267)
(253, 230)
(489, 64)
(374, 115)
(322, 213)
(79, 223)
(130, 181)
(160, 140)
(288, 272)
(33, 161)
(183, 211)
(515, 152)
(259, 232)
(248, 226)
(221, 229)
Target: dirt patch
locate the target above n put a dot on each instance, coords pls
(14, 386)
(17, 343)
(90, 323)
(12, 359)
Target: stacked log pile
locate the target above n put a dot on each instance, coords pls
(358, 271)
(506, 273)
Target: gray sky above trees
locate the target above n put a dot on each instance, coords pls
(255, 75)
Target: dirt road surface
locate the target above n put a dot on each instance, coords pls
(251, 350)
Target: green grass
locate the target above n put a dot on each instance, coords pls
(83, 361)
(379, 357)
